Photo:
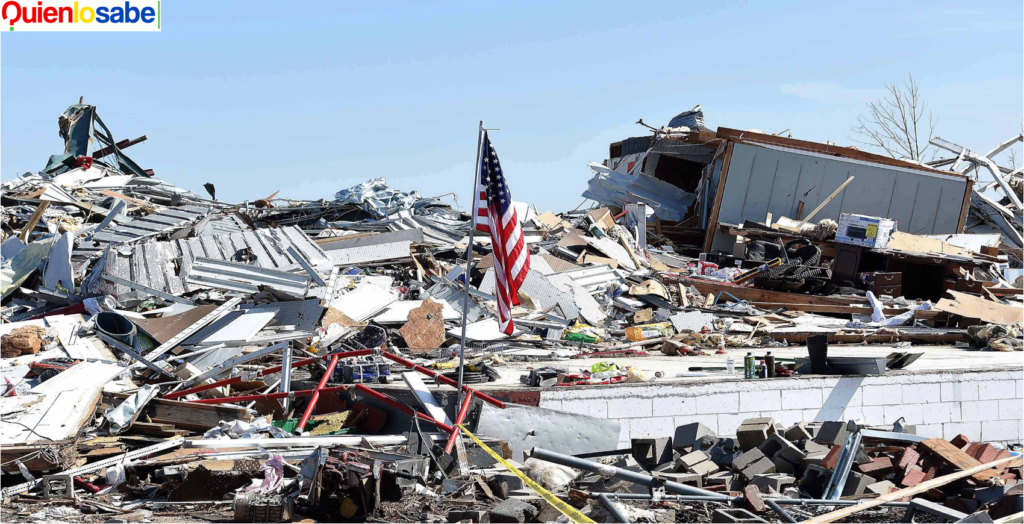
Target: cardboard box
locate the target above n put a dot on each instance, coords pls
(865, 231)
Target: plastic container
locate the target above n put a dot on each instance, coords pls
(649, 331)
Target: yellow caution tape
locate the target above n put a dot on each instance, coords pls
(559, 504)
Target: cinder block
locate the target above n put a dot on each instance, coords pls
(759, 467)
(832, 433)
(512, 510)
(798, 432)
(651, 452)
(688, 434)
(747, 459)
(691, 459)
(776, 482)
(811, 446)
(730, 480)
(703, 468)
(752, 435)
(856, 484)
(681, 477)
(784, 466)
(814, 459)
(814, 480)
(773, 444)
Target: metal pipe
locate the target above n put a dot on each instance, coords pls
(469, 256)
(613, 509)
(444, 380)
(286, 376)
(459, 420)
(778, 509)
(403, 408)
(316, 394)
(624, 474)
(264, 372)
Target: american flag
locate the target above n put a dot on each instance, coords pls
(496, 215)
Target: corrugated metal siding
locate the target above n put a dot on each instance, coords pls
(379, 252)
(153, 263)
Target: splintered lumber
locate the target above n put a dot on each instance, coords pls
(975, 307)
(190, 415)
(26, 232)
(956, 458)
(906, 492)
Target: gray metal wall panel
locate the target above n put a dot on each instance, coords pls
(764, 179)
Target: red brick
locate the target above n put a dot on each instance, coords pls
(912, 477)
(877, 468)
(908, 458)
(752, 496)
(832, 458)
(930, 473)
(960, 441)
(972, 448)
(986, 453)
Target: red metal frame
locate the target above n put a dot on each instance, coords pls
(316, 393)
(264, 372)
(403, 408)
(266, 396)
(433, 374)
(459, 420)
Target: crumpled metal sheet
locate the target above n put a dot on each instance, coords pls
(612, 188)
(541, 290)
(24, 264)
(376, 198)
(121, 416)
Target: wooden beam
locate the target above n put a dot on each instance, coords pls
(829, 199)
(26, 231)
(903, 493)
(716, 206)
(753, 294)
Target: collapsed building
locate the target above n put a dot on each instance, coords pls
(744, 328)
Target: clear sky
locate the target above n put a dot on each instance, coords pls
(312, 97)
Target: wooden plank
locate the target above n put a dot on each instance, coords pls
(764, 295)
(716, 207)
(954, 457)
(903, 493)
(975, 307)
(32, 221)
(189, 415)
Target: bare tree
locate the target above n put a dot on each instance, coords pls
(892, 122)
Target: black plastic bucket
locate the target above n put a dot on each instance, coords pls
(817, 349)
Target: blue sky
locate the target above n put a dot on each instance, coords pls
(309, 98)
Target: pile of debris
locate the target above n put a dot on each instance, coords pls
(166, 354)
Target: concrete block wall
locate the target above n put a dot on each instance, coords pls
(984, 405)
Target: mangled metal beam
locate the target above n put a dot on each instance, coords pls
(986, 162)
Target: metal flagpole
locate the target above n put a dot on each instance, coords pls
(469, 258)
